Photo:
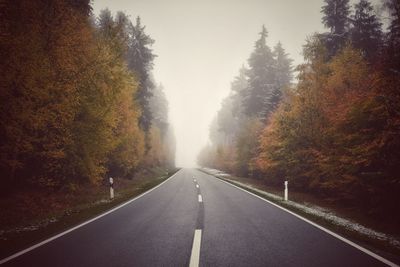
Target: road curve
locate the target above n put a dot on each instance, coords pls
(195, 219)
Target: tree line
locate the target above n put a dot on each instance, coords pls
(78, 101)
(336, 132)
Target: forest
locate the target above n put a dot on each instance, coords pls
(330, 126)
(78, 101)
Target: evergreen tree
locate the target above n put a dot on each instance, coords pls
(227, 122)
(335, 18)
(159, 109)
(393, 51)
(257, 98)
(366, 33)
(336, 13)
(140, 60)
(283, 66)
(83, 7)
(123, 24)
(283, 70)
(105, 23)
(239, 84)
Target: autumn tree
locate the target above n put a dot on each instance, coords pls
(255, 94)
(42, 67)
(127, 144)
(69, 108)
(331, 136)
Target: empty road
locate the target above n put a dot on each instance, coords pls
(196, 219)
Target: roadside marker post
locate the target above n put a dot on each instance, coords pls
(286, 191)
(111, 188)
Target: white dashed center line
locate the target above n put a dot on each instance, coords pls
(197, 186)
(195, 256)
(200, 198)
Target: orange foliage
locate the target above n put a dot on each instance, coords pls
(335, 134)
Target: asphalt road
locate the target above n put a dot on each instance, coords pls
(234, 229)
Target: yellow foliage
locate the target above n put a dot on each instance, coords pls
(66, 98)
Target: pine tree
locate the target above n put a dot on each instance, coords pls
(366, 33)
(239, 84)
(140, 60)
(335, 18)
(105, 23)
(283, 66)
(257, 98)
(227, 122)
(159, 109)
(393, 51)
(283, 70)
(336, 13)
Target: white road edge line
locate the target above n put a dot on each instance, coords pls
(195, 256)
(351, 243)
(80, 225)
(200, 198)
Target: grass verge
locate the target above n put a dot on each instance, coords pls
(19, 230)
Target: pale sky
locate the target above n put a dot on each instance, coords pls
(202, 44)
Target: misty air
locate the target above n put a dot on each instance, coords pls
(200, 133)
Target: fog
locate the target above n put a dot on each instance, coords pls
(202, 44)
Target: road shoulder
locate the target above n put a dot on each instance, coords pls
(382, 249)
(17, 239)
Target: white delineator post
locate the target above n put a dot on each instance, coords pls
(286, 191)
(111, 188)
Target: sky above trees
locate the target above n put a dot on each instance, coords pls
(201, 45)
